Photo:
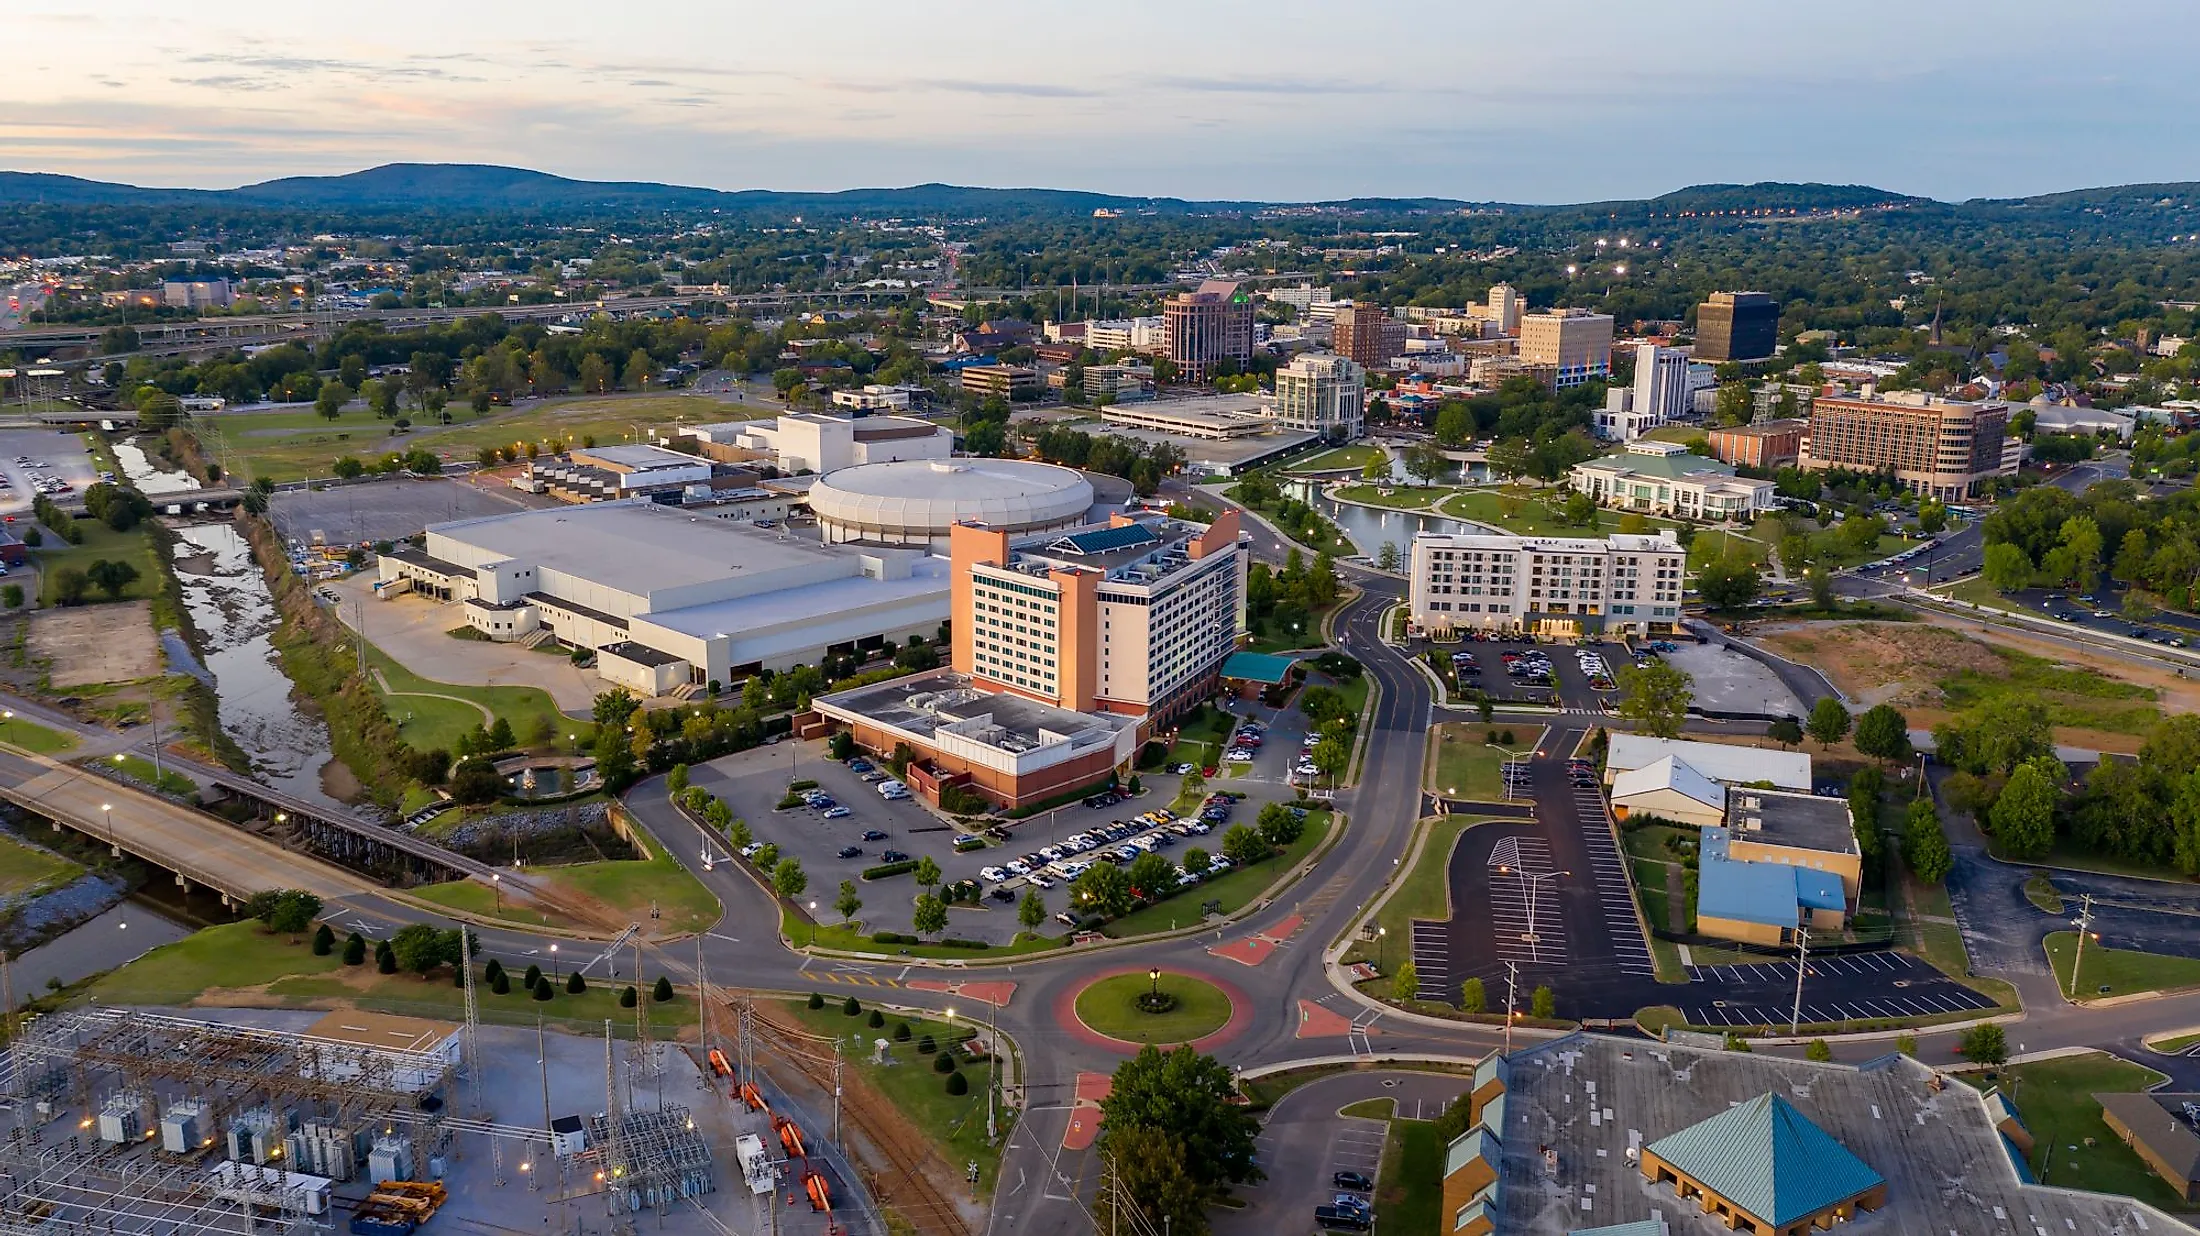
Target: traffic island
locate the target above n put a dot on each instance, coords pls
(1161, 1008)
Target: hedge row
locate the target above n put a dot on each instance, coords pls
(883, 870)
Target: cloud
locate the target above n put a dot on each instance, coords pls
(1273, 85)
(229, 82)
(1022, 90)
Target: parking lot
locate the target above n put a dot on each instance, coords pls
(60, 456)
(1836, 988)
(1524, 671)
(860, 829)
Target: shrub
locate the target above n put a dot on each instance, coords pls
(901, 1032)
(542, 990)
(491, 971)
(925, 1046)
(324, 941)
(801, 784)
(628, 998)
(959, 942)
(875, 1020)
(885, 870)
(533, 976)
(789, 803)
(891, 937)
(355, 949)
(386, 963)
(850, 1007)
(662, 991)
(957, 1084)
(816, 1001)
(575, 983)
(501, 984)
(943, 1062)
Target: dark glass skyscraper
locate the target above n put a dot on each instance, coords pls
(1737, 326)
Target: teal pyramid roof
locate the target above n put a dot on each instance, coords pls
(1768, 1159)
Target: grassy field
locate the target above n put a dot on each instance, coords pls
(954, 1124)
(1421, 893)
(2114, 971)
(1407, 1201)
(429, 723)
(1465, 766)
(1233, 890)
(1683, 434)
(1343, 457)
(2073, 1147)
(139, 769)
(1199, 739)
(239, 963)
(23, 868)
(1715, 543)
(2074, 696)
(100, 541)
(1399, 498)
(289, 446)
(1531, 514)
(2040, 891)
(1110, 1007)
(31, 736)
(2175, 1043)
(658, 893)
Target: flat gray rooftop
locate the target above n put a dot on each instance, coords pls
(928, 702)
(1804, 820)
(636, 547)
(1589, 1098)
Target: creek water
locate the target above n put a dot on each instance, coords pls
(150, 480)
(234, 613)
(99, 943)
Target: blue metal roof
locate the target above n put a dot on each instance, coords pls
(1101, 540)
(1768, 893)
(1260, 667)
(1768, 1159)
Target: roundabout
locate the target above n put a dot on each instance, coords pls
(1160, 1007)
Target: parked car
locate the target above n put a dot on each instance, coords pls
(893, 856)
(837, 813)
(1352, 1180)
(874, 834)
(851, 851)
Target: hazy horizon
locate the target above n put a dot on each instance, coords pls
(1289, 101)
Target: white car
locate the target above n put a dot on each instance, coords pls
(1040, 881)
(992, 875)
(1018, 867)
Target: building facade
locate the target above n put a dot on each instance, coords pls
(1661, 387)
(1133, 616)
(1322, 394)
(1737, 326)
(198, 293)
(1367, 336)
(1663, 478)
(1760, 444)
(1575, 343)
(1563, 586)
(810, 442)
(1127, 335)
(1205, 327)
(1010, 382)
(1936, 447)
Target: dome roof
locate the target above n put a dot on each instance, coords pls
(932, 495)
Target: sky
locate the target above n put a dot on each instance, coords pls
(1545, 101)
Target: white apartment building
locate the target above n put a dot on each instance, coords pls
(1126, 334)
(874, 398)
(1302, 298)
(1562, 586)
(1662, 386)
(1324, 394)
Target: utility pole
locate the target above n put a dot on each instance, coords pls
(2084, 924)
(1802, 963)
(1512, 980)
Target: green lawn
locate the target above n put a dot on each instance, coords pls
(1683, 434)
(633, 887)
(242, 956)
(1422, 892)
(1110, 1007)
(954, 1124)
(292, 446)
(139, 769)
(439, 723)
(1199, 738)
(851, 938)
(23, 868)
(1465, 766)
(1343, 457)
(2116, 972)
(1531, 514)
(2076, 697)
(2174, 1044)
(100, 541)
(1399, 498)
(2040, 891)
(1408, 1198)
(1233, 890)
(2073, 1147)
(31, 736)
(1715, 543)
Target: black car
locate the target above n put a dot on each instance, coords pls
(851, 851)
(1001, 894)
(893, 856)
(874, 834)
(1352, 1180)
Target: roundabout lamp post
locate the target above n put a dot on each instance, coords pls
(1153, 977)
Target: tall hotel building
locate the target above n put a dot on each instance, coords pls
(1205, 327)
(1936, 447)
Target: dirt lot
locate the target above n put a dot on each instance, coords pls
(97, 643)
(1906, 664)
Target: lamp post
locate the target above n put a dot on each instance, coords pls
(1534, 881)
(554, 975)
(1154, 978)
(107, 818)
(496, 885)
(8, 716)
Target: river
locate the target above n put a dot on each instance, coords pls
(100, 943)
(150, 480)
(234, 614)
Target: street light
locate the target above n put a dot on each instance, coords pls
(1534, 881)
(554, 962)
(1154, 976)
(496, 885)
(107, 817)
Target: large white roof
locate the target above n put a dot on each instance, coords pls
(1787, 770)
(933, 495)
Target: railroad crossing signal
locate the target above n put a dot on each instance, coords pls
(972, 1171)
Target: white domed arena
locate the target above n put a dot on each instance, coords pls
(916, 501)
